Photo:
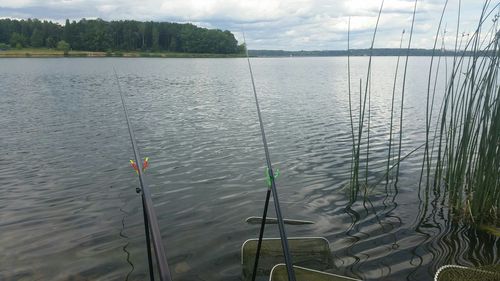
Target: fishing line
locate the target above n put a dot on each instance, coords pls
(124, 248)
(270, 177)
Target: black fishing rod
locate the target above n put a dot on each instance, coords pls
(150, 222)
(271, 189)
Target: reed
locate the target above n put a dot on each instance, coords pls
(356, 142)
(461, 155)
(468, 128)
(468, 166)
(389, 155)
(358, 136)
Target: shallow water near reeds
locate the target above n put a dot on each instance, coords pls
(68, 207)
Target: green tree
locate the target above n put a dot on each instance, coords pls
(100, 35)
(37, 38)
(67, 31)
(156, 39)
(173, 47)
(242, 48)
(18, 40)
(50, 42)
(63, 46)
(142, 30)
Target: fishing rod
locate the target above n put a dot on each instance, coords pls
(150, 222)
(271, 183)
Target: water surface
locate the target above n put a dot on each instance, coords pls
(69, 211)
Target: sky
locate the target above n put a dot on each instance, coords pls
(278, 24)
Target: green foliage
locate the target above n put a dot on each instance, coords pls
(63, 46)
(99, 35)
(4, 46)
(18, 40)
(467, 161)
(156, 39)
(50, 42)
(242, 48)
(37, 38)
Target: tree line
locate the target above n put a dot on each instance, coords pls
(125, 35)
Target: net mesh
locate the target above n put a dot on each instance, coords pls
(459, 273)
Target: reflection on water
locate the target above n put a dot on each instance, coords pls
(68, 209)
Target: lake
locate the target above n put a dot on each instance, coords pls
(69, 210)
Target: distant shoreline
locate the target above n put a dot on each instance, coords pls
(376, 52)
(52, 53)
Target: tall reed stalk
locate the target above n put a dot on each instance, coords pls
(389, 156)
(355, 167)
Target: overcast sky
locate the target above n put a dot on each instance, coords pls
(274, 24)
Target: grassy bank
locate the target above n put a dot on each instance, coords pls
(46, 53)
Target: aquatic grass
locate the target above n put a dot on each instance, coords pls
(429, 107)
(368, 136)
(427, 156)
(469, 134)
(468, 161)
(355, 169)
(350, 109)
(357, 137)
(461, 153)
(389, 156)
(403, 90)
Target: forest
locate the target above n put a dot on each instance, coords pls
(123, 35)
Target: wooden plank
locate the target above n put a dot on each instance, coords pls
(279, 273)
(258, 220)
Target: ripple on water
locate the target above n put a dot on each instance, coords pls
(68, 187)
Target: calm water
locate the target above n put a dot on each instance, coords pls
(68, 207)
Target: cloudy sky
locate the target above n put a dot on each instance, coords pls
(275, 24)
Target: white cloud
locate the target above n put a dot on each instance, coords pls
(16, 3)
(234, 10)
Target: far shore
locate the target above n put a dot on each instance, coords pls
(53, 53)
